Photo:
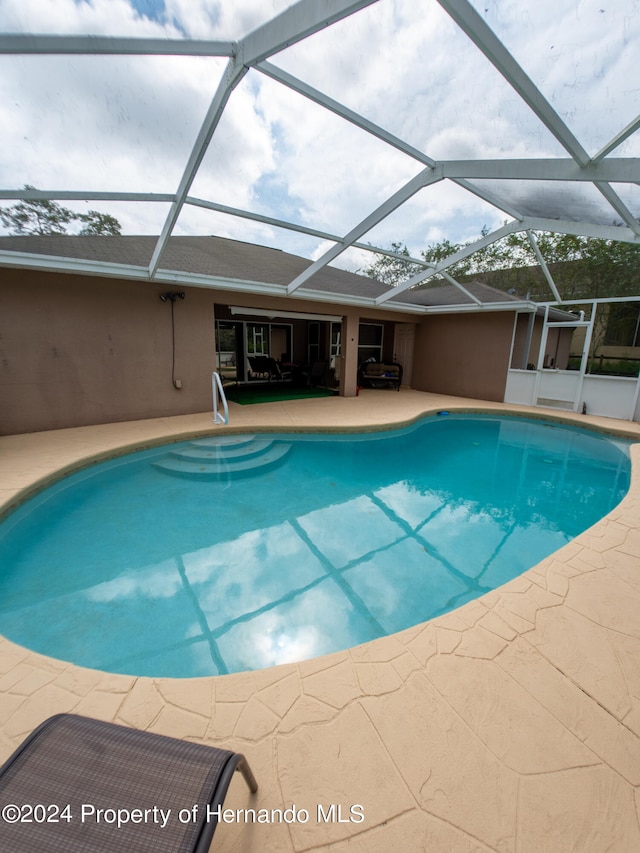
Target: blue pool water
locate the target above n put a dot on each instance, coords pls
(236, 553)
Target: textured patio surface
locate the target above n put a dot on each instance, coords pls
(511, 724)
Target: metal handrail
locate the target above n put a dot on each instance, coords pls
(218, 391)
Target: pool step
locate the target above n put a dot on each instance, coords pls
(224, 441)
(210, 454)
(222, 458)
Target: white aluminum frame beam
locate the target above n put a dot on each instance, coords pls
(617, 140)
(29, 44)
(529, 224)
(295, 24)
(421, 180)
(593, 301)
(460, 287)
(619, 206)
(230, 79)
(617, 170)
(357, 120)
(289, 27)
(324, 235)
(450, 261)
(259, 217)
(91, 195)
(75, 195)
(543, 265)
(339, 109)
(489, 197)
(300, 229)
(579, 229)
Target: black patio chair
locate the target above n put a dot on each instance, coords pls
(83, 786)
(318, 374)
(275, 371)
(258, 367)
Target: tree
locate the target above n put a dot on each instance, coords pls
(99, 223)
(43, 216)
(393, 270)
(582, 267)
(36, 217)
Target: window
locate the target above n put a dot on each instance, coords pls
(615, 345)
(227, 341)
(623, 325)
(313, 342)
(257, 339)
(370, 342)
(335, 347)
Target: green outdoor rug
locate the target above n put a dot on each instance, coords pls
(247, 395)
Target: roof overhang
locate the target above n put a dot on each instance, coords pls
(129, 272)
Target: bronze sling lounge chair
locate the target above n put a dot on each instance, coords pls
(77, 784)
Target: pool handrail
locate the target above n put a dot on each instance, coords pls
(218, 392)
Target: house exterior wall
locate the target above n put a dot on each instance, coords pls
(466, 355)
(82, 350)
(78, 350)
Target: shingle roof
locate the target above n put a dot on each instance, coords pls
(232, 259)
(215, 256)
(449, 294)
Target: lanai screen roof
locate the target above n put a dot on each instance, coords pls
(325, 128)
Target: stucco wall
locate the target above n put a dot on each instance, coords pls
(463, 354)
(79, 350)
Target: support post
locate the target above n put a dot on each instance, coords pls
(349, 364)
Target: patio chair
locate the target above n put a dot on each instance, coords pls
(258, 367)
(318, 375)
(78, 784)
(276, 372)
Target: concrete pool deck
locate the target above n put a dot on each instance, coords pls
(510, 724)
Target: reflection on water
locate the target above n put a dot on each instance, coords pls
(128, 569)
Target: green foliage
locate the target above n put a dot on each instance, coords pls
(602, 366)
(36, 217)
(99, 223)
(393, 270)
(582, 267)
(614, 367)
(43, 216)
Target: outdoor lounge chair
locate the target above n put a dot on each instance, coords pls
(318, 374)
(258, 367)
(77, 784)
(264, 367)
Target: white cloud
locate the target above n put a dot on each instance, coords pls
(99, 17)
(221, 19)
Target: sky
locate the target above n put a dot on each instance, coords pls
(129, 123)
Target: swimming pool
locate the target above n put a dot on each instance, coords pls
(224, 555)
